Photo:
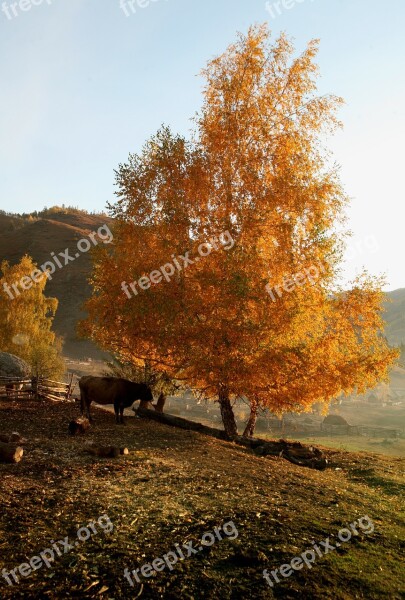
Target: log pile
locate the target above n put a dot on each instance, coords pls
(294, 452)
(55, 391)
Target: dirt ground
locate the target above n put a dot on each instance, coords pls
(175, 486)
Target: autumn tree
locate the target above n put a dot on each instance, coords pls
(46, 360)
(259, 312)
(26, 317)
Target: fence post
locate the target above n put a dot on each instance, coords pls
(34, 387)
(69, 389)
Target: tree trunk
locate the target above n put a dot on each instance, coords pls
(228, 418)
(251, 424)
(34, 388)
(160, 403)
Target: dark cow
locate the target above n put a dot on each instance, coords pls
(111, 390)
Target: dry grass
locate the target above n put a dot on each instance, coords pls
(175, 486)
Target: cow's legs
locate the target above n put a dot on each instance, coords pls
(90, 418)
(117, 412)
(85, 406)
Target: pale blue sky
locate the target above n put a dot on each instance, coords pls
(82, 85)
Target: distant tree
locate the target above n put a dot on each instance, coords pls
(257, 170)
(26, 320)
(47, 360)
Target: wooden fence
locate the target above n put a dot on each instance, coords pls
(17, 389)
(54, 390)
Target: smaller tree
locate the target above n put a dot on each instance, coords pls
(26, 317)
(47, 361)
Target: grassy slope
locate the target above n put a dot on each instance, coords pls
(359, 444)
(174, 487)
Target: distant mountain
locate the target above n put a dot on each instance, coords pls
(395, 317)
(55, 229)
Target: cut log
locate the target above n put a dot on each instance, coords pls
(79, 426)
(10, 453)
(107, 451)
(181, 423)
(14, 438)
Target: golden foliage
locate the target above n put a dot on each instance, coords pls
(26, 320)
(257, 169)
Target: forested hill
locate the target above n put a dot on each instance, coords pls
(53, 231)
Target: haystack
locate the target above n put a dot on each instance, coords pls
(335, 420)
(13, 366)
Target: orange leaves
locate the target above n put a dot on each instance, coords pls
(255, 168)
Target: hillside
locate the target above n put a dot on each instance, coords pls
(174, 487)
(38, 237)
(395, 317)
(54, 230)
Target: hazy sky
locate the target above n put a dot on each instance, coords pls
(82, 85)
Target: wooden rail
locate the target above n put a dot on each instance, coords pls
(16, 388)
(55, 391)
